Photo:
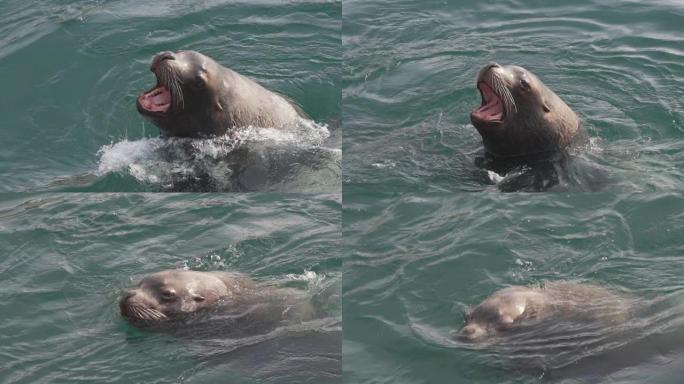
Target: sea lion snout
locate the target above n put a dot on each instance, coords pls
(135, 305)
(127, 297)
(160, 57)
(472, 332)
(482, 73)
(489, 67)
(127, 294)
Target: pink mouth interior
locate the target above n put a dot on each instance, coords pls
(492, 108)
(156, 100)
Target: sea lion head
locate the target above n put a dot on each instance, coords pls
(189, 95)
(500, 312)
(170, 295)
(519, 115)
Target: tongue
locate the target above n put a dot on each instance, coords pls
(493, 108)
(156, 100)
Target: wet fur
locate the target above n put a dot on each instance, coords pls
(210, 100)
(561, 300)
(233, 292)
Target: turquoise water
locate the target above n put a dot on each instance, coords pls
(409, 86)
(428, 230)
(400, 223)
(417, 261)
(67, 257)
(72, 70)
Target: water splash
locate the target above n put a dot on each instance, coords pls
(211, 164)
(310, 277)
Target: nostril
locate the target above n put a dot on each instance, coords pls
(161, 56)
(493, 65)
(127, 295)
(165, 55)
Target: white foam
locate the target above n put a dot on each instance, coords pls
(161, 161)
(595, 145)
(306, 133)
(308, 276)
(494, 177)
(121, 155)
(313, 280)
(387, 164)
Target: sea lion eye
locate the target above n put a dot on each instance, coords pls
(168, 295)
(524, 84)
(198, 81)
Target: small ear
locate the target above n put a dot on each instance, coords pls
(198, 297)
(546, 108)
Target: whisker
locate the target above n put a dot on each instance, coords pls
(502, 90)
(144, 313)
(171, 80)
(178, 91)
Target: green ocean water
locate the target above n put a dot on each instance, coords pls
(72, 70)
(67, 257)
(422, 230)
(409, 87)
(428, 230)
(416, 261)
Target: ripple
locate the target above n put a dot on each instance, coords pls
(88, 60)
(70, 255)
(401, 246)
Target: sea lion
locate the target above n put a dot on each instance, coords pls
(520, 116)
(194, 96)
(175, 294)
(507, 308)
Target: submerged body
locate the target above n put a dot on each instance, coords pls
(511, 307)
(175, 294)
(196, 97)
(520, 116)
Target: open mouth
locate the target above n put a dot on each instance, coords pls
(492, 109)
(158, 99)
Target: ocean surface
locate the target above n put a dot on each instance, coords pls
(71, 72)
(399, 223)
(409, 86)
(429, 232)
(67, 257)
(417, 261)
